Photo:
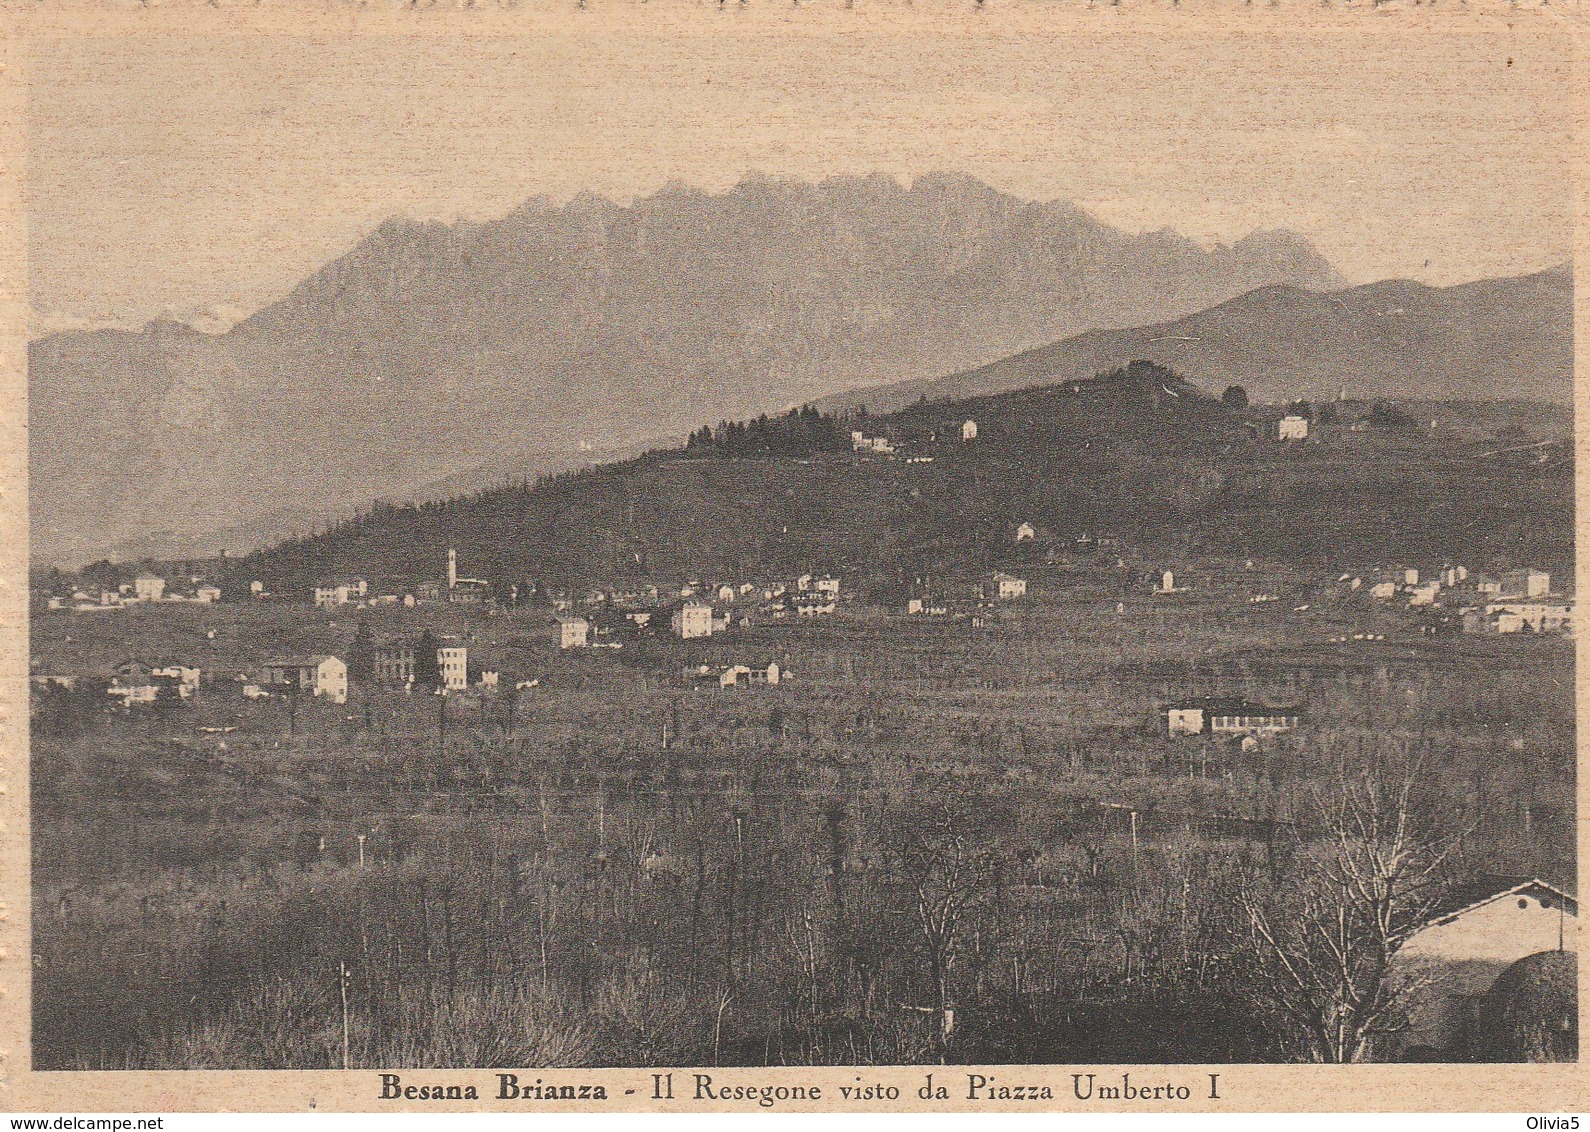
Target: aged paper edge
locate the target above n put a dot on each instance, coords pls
(1241, 1088)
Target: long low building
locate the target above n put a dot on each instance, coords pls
(1521, 616)
(1228, 717)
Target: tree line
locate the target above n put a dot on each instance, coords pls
(799, 432)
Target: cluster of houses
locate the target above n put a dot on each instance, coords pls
(392, 664)
(138, 681)
(913, 450)
(319, 675)
(737, 675)
(1516, 601)
(145, 589)
(351, 591)
(976, 603)
(604, 618)
(356, 591)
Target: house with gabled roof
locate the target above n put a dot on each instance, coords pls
(1482, 929)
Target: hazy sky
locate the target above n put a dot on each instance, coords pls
(182, 174)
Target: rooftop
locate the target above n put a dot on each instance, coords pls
(1487, 887)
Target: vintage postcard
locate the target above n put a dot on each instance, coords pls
(850, 555)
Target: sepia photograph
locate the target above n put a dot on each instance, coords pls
(761, 544)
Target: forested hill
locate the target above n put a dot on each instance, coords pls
(1138, 452)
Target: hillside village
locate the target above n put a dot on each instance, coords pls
(1432, 599)
(1450, 600)
(1107, 620)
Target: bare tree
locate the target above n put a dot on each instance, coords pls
(945, 865)
(1359, 885)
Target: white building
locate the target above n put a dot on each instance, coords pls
(743, 675)
(147, 587)
(1026, 533)
(341, 593)
(1291, 427)
(452, 664)
(1424, 594)
(1456, 958)
(969, 430)
(209, 595)
(1526, 583)
(1184, 719)
(1167, 584)
(573, 632)
(1008, 586)
(827, 584)
(692, 620)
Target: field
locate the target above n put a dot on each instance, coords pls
(935, 842)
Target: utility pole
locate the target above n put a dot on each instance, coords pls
(1132, 811)
(342, 982)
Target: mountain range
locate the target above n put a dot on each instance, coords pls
(434, 358)
(1495, 339)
